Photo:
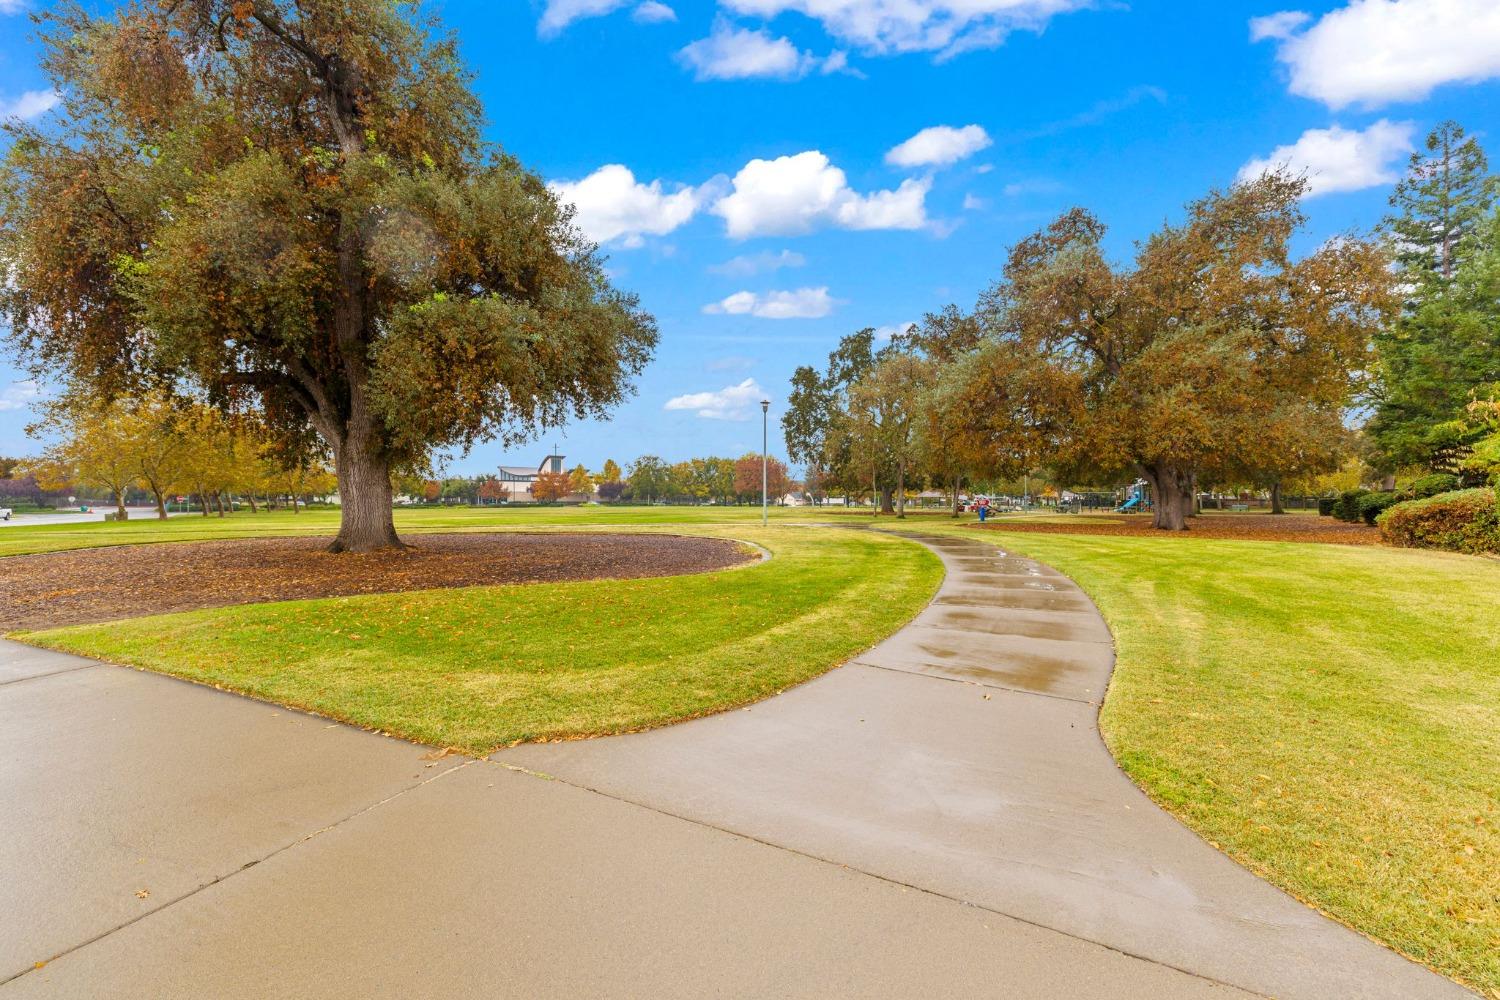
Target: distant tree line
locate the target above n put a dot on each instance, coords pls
(649, 479)
(160, 447)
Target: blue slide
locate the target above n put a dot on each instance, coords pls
(1132, 502)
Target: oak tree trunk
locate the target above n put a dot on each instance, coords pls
(203, 502)
(901, 489)
(887, 501)
(251, 497)
(1172, 490)
(1276, 507)
(120, 514)
(366, 517)
(161, 504)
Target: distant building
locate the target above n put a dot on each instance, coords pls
(516, 480)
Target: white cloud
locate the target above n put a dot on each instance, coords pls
(1340, 159)
(894, 330)
(732, 53)
(19, 395)
(652, 12)
(733, 402)
(1100, 110)
(974, 203)
(939, 146)
(1279, 25)
(838, 62)
(31, 104)
(12, 6)
(1373, 52)
(1038, 185)
(796, 194)
(945, 26)
(747, 265)
(804, 303)
(613, 206)
(558, 14)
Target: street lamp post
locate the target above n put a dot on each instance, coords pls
(765, 408)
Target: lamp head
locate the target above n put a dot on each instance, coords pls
(765, 405)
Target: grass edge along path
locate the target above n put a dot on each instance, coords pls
(29, 539)
(483, 667)
(1329, 716)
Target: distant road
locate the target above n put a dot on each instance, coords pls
(74, 517)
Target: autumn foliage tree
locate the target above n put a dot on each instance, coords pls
(747, 478)
(289, 203)
(550, 487)
(1178, 363)
(101, 452)
(579, 480)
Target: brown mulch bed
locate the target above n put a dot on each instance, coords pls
(94, 585)
(1251, 527)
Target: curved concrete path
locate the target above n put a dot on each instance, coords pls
(962, 756)
(938, 818)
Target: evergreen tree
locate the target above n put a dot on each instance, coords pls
(1439, 207)
(1444, 344)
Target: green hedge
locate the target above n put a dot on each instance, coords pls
(1372, 505)
(1431, 486)
(1346, 507)
(1460, 521)
(1325, 506)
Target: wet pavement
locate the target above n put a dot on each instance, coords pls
(938, 818)
(962, 756)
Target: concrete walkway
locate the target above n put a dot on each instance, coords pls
(939, 819)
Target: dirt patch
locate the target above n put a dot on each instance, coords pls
(1251, 527)
(94, 585)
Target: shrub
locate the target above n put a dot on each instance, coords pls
(1431, 486)
(1325, 506)
(1346, 507)
(1372, 505)
(1460, 521)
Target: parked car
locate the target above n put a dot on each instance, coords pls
(5, 513)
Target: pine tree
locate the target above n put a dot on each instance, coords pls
(1444, 344)
(1439, 207)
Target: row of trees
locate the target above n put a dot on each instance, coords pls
(648, 480)
(698, 480)
(165, 447)
(1214, 357)
(549, 487)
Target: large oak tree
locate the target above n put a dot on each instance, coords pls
(289, 202)
(1184, 361)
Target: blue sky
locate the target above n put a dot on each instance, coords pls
(769, 175)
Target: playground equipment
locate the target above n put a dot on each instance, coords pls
(1137, 497)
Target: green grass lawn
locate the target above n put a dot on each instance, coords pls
(1328, 715)
(26, 539)
(483, 667)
